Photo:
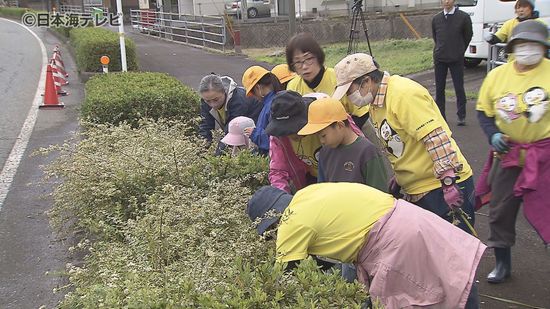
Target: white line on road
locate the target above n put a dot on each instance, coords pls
(16, 154)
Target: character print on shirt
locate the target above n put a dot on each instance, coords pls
(390, 138)
(348, 166)
(310, 161)
(507, 108)
(536, 101)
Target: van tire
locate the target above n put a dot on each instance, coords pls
(471, 62)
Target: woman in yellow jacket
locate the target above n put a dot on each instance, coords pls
(525, 10)
(305, 57)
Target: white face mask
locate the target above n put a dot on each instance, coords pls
(357, 99)
(528, 53)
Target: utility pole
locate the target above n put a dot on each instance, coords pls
(292, 18)
(121, 36)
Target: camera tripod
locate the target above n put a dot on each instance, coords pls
(353, 42)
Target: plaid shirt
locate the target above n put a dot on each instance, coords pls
(437, 144)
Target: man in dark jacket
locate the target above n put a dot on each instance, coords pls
(452, 32)
(221, 101)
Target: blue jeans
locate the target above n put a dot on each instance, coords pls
(435, 202)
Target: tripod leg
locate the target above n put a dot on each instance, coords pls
(352, 30)
(366, 32)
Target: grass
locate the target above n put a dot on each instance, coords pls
(395, 56)
(470, 95)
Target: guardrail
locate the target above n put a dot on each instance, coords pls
(497, 56)
(200, 31)
(77, 9)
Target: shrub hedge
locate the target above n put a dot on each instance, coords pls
(118, 97)
(169, 227)
(92, 43)
(13, 12)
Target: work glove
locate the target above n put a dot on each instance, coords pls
(394, 188)
(499, 141)
(453, 196)
(488, 36)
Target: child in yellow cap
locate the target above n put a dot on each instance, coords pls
(345, 156)
(283, 74)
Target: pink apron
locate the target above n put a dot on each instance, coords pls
(413, 258)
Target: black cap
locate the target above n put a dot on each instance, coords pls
(265, 199)
(288, 113)
(529, 30)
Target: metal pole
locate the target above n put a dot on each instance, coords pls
(292, 18)
(121, 36)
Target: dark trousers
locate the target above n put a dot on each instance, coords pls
(503, 207)
(435, 202)
(457, 74)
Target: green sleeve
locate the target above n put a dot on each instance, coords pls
(375, 174)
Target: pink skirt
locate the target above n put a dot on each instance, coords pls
(413, 258)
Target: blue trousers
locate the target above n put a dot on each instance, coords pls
(435, 202)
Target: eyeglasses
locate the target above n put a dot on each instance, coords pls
(300, 64)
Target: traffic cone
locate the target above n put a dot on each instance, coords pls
(56, 80)
(50, 95)
(58, 76)
(59, 62)
(60, 69)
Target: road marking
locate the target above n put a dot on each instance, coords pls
(16, 154)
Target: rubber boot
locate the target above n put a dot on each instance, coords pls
(503, 266)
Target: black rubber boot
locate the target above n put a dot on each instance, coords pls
(503, 266)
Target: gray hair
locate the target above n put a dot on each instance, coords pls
(211, 82)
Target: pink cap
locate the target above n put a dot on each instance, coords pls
(236, 136)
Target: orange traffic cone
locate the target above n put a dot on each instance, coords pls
(50, 95)
(58, 78)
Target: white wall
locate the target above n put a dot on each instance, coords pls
(208, 7)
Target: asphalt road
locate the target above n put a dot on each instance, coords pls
(32, 259)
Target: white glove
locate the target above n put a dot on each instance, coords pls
(487, 36)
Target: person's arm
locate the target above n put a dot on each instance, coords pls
(504, 32)
(487, 124)
(258, 136)
(207, 123)
(434, 37)
(375, 174)
(320, 172)
(438, 144)
(468, 33)
(279, 174)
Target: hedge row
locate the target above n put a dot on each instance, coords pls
(127, 97)
(169, 227)
(13, 12)
(92, 43)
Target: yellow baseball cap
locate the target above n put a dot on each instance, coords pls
(251, 77)
(283, 73)
(349, 69)
(321, 114)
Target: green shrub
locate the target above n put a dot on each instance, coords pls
(13, 12)
(127, 97)
(92, 43)
(170, 229)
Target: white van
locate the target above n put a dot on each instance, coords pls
(485, 13)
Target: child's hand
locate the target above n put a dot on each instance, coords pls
(248, 131)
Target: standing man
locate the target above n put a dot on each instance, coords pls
(452, 32)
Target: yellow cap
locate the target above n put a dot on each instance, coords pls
(283, 73)
(251, 77)
(321, 114)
